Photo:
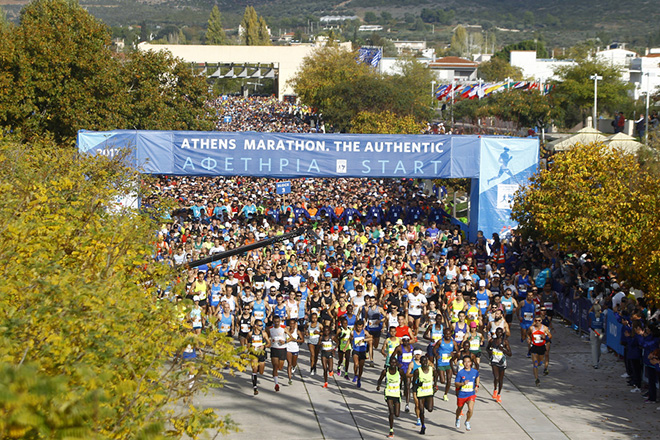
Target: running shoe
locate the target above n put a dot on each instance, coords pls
(290, 382)
(419, 422)
(293, 370)
(277, 388)
(330, 373)
(445, 398)
(311, 372)
(423, 430)
(391, 434)
(499, 399)
(355, 379)
(495, 394)
(359, 383)
(256, 391)
(458, 423)
(538, 382)
(407, 408)
(625, 375)
(649, 401)
(635, 390)
(546, 372)
(325, 385)
(338, 371)
(346, 376)
(467, 426)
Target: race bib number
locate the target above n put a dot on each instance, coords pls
(528, 316)
(548, 305)
(482, 303)
(459, 336)
(197, 322)
(257, 345)
(258, 314)
(468, 387)
(327, 345)
(406, 358)
(215, 298)
(225, 328)
(508, 307)
(393, 388)
(359, 341)
(475, 344)
(245, 328)
(427, 386)
(446, 357)
(373, 323)
(538, 338)
(497, 354)
(436, 337)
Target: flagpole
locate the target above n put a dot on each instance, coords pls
(452, 105)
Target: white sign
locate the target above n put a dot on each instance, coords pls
(505, 195)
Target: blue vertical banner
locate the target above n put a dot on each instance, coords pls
(613, 332)
(506, 165)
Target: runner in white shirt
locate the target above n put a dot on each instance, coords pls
(416, 308)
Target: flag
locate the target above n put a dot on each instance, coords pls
(370, 55)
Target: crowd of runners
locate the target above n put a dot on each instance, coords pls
(382, 280)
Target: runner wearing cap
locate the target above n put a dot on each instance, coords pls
(423, 377)
(416, 308)
(467, 386)
(498, 351)
(392, 375)
(278, 339)
(433, 334)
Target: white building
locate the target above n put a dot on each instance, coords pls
(537, 68)
(448, 69)
(409, 46)
(618, 57)
(643, 69)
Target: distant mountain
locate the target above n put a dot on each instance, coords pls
(558, 22)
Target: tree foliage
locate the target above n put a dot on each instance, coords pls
(498, 69)
(538, 45)
(332, 81)
(526, 108)
(255, 29)
(215, 34)
(385, 123)
(575, 90)
(58, 75)
(603, 201)
(86, 350)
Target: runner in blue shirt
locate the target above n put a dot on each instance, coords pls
(467, 386)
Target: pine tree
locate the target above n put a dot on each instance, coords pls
(250, 25)
(215, 34)
(264, 36)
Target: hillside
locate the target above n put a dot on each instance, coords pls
(558, 22)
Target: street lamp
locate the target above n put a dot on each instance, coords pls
(432, 93)
(596, 78)
(646, 116)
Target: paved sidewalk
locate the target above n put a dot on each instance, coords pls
(573, 402)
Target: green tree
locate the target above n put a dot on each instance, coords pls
(538, 45)
(497, 69)
(385, 123)
(333, 82)
(264, 36)
(250, 24)
(526, 108)
(459, 42)
(86, 348)
(602, 201)
(163, 94)
(215, 34)
(575, 90)
(370, 17)
(58, 76)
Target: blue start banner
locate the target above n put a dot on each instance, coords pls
(500, 164)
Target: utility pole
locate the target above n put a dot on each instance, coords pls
(432, 93)
(646, 116)
(596, 78)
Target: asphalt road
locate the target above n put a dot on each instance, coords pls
(573, 402)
